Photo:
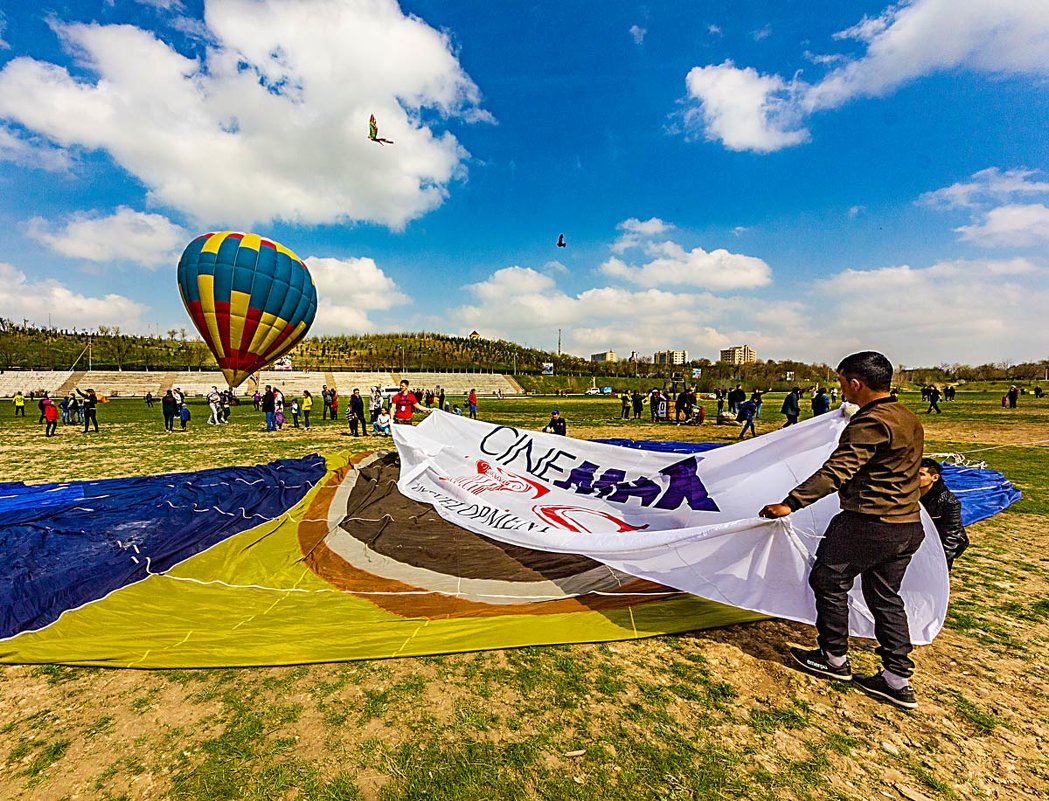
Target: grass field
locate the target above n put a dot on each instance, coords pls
(709, 714)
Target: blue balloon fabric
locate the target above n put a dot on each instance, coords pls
(67, 544)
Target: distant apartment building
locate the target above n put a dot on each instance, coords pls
(739, 354)
(607, 356)
(670, 357)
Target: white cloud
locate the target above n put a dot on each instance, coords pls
(523, 305)
(1010, 226)
(743, 109)
(913, 39)
(972, 311)
(638, 33)
(32, 152)
(987, 185)
(347, 290)
(672, 265)
(150, 240)
(748, 111)
(761, 33)
(635, 230)
(37, 301)
(271, 123)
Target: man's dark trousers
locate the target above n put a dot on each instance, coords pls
(877, 552)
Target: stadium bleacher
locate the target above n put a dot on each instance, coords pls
(35, 381)
(124, 384)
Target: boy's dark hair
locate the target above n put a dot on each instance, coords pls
(932, 466)
(870, 367)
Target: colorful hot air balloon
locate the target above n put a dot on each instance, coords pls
(250, 298)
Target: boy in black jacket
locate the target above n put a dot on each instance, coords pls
(944, 509)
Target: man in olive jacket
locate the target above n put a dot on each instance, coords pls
(874, 470)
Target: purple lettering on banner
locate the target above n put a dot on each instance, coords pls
(644, 488)
(605, 485)
(582, 478)
(685, 486)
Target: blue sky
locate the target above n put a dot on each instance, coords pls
(810, 178)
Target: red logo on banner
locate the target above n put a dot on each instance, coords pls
(492, 479)
(571, 518)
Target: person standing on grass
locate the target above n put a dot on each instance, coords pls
(326, 401)
(269, 408)
(375, 405)
(791, 408)
(471, 400)
(19, 404)
(50, 418)
(624, 400)
(944, 508)
(820, 402)
(403, 403)
(934, 400)
(89, 408)
(1013, 394)
(357, 407)
(307, 405)
(638, 401)
(745, 412)
(169, 407)
(874, 470)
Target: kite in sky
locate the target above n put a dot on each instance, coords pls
(373, 132)
(561, 241)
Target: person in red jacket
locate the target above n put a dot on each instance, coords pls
(403, 403)
(471, 399)
(50, 417)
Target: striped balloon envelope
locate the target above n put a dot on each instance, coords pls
(250, 298)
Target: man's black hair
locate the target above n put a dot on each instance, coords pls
(932, 466)
(870, 367)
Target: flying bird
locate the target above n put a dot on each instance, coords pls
(373, 132)
(561, 241)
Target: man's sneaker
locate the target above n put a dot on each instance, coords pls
(876, 687)
(815, 661)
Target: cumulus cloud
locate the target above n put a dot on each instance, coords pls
(35, 301)
(348, 289)
(1010, 226)
(745, 110)
(149, 240)
(666, 263)
(523, 305)
(670, 264)
(635, 230)
(950, 311)
(32, 152)
(270, 122)
(638, 33)
(987, 185)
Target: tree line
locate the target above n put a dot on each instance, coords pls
(27, 347)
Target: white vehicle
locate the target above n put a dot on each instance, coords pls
(593, 391)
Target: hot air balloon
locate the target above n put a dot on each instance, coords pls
(250, 298)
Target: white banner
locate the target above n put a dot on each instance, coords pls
(686, 521)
